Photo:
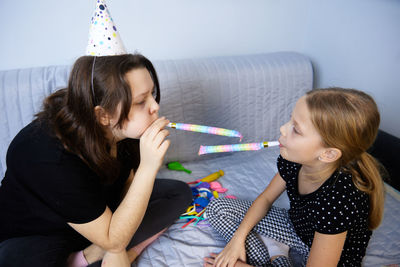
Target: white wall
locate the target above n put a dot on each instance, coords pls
(46, 32)
(356, 43)
(352, 43)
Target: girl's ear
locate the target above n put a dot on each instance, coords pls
(330, 155)
(102, 116)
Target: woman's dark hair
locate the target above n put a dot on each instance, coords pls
(70, 112)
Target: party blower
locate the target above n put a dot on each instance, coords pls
(205, 129)
(236, 147)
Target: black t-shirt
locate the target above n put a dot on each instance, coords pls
(45, 186)
(335, 207)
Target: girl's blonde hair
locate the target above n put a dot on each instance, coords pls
(348, 119)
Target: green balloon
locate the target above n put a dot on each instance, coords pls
(176, 166)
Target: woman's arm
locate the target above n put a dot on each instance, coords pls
(113, 232)
(235, 250)
(127, 184)
(326, 249)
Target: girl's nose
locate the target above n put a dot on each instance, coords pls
(283, 129)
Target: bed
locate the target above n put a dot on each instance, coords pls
(253, 94)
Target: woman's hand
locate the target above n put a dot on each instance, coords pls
(153, 144)
(233, 252)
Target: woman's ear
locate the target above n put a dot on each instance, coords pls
(330, 155)
(102, 116)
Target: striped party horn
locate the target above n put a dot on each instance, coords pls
(205, 129)
(236, 147)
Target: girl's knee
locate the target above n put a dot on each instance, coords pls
(216, 206)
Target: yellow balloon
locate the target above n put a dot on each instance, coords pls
(212, 177)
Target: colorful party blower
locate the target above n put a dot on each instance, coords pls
(236, 147)
(104, 39)
(205, 129)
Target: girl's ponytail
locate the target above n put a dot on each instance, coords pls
(367, 178)
(349, 119)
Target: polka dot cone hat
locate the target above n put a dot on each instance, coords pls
(104, 39)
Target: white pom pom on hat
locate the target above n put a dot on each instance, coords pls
(104, 39)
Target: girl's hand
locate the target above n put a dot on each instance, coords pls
(233, 252)
(209, 262)
(153, 144)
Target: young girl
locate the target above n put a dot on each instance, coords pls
(333, 184)
(75, 177)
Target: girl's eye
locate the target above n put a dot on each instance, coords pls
(154, 94)
(294, 130)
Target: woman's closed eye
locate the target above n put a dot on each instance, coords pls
(142, 102)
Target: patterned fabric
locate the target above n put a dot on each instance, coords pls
(282, 261)
(225, 216)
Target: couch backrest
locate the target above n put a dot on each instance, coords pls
(253, 94)
(21, 95)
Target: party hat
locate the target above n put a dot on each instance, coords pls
(104, 39)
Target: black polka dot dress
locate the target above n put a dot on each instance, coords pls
(336, 206)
